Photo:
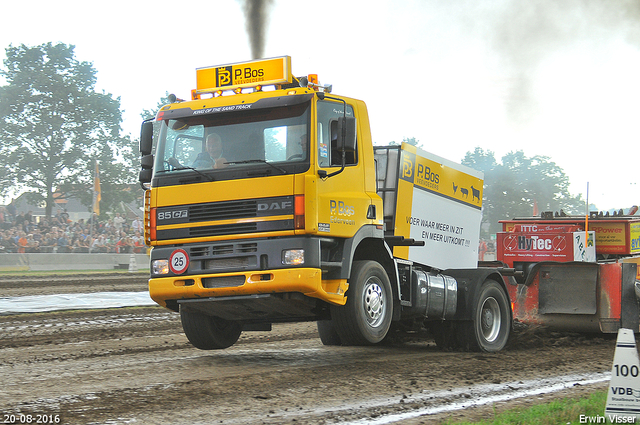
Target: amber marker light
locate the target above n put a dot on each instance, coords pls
(298, 218)
(152, 224)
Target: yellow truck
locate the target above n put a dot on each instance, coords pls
(267, 202)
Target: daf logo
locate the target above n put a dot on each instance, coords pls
(274, 206)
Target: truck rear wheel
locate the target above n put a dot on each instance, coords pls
(209, 332)
(491, 324)
(366, 317)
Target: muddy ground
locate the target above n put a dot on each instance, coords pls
(134, 365)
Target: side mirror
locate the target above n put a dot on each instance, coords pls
(145, 175)
(347, 133)
(146, 138)
(146, 163)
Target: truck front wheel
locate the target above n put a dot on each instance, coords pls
(327, 332)
(209, 332)
(366, 316)
(491, 324)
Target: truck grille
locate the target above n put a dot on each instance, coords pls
(223, 210)
(223, 281)
(189, 216)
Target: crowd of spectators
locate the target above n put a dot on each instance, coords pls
(22, 233)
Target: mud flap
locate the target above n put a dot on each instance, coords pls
(629, 309)
(568, 288)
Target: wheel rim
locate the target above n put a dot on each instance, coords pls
(490, 319)
(374, 303)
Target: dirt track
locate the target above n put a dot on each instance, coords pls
(134, 365)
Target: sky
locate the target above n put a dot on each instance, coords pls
(558, 78)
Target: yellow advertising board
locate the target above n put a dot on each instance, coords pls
(436, 175)
(244, 74)
(611, 237)
(634, 230)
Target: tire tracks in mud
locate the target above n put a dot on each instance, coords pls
(135, 365)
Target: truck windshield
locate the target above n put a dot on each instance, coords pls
(274, 139)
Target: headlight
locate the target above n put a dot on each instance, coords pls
(293, 257)
(160, 267)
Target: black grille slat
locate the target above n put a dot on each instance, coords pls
(223, 229)
(223, 210)
(247, 247)
(201, 251)
(221, 250)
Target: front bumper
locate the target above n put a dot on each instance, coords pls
(307, 281)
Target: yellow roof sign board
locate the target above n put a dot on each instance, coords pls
(244, 74)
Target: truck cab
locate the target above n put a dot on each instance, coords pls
(262, 206)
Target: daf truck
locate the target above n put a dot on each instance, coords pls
(266, 202)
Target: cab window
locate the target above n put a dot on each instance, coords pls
(328, 153)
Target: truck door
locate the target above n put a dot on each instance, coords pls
(342, 200)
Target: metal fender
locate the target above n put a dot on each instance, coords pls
(354, 249)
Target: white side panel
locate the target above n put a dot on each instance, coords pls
(449, 229)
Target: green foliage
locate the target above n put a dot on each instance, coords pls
(562, 411)
(410, 140)
(512, 188)
(54, 125)
(151, 113)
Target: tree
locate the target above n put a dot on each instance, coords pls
(151, 113)
(511, 189)
(54, 125)
(410, 140)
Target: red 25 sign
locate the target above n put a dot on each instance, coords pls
(179, 261)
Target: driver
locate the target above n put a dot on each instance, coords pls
(302, 143)
(212, 157)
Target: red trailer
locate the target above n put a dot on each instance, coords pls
(572, 278)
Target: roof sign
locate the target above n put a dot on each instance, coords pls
(244, 74)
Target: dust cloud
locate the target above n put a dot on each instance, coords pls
(527, 34)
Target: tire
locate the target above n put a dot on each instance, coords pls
(366, 317)
(328, 333)
(491, 326)
(209, 332)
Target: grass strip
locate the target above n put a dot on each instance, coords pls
(562, 411)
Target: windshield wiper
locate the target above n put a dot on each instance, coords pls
(178, 167)
(262, 161)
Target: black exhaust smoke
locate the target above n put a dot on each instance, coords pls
(256, 13)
